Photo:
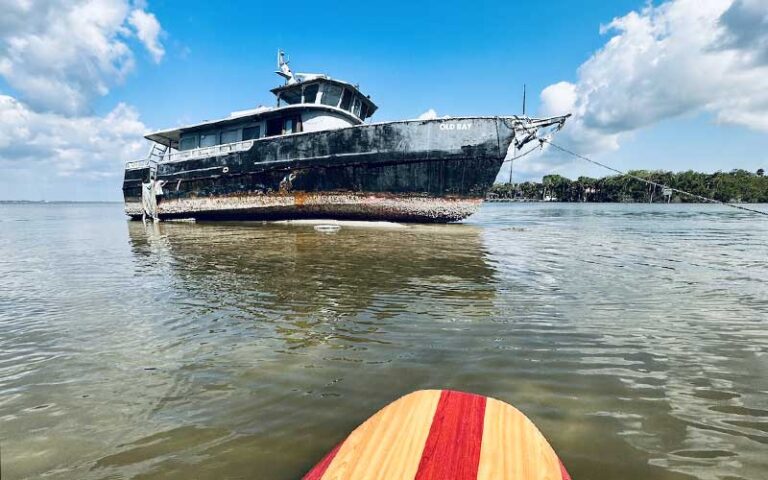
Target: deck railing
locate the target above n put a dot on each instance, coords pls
(144, 163)
(203, 152)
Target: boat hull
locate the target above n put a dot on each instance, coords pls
(416, 171)
(338, 205)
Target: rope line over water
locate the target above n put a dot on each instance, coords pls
(518, 157)
(651, 182)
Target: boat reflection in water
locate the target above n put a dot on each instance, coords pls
(294, 272)
(287, 337)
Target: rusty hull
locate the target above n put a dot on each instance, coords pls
(420, 171)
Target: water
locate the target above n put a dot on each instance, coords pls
(634, 336)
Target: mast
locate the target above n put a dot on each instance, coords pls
(514, 147)
(523, 99)
(512, 163)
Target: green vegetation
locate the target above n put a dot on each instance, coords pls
(733, 186)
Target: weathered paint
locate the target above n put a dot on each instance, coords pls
(132, 181)
(421, 170)
(133, 208)
(340, 205)
(318, 120)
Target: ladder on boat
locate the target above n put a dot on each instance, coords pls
(151, 189)
(157, 152)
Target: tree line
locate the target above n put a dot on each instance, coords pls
(734, 186)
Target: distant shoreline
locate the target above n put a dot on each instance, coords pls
(673, 202)
(641, 186)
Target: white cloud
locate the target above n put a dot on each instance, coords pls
(680, 57)
(60, 54)
(430, 114)
(51, 144)
(148, 30)
(746, 29)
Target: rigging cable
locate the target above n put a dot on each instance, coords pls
(518, 157)
(650, 182)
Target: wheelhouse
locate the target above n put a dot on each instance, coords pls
(322, 90)
(313, 104)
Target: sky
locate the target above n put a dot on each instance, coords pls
(674, 85)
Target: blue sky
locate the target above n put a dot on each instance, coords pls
(409, 56)
(203, 60)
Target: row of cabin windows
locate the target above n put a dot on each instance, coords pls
(332, 95)
(275, 126)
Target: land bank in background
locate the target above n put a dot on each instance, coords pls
(739, 186)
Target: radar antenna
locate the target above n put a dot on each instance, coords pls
(283, 69)
(292, 78)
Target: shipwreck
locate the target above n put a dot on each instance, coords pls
(313, 155)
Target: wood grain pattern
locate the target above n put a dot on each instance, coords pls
(452, 449)
(513, 448)
(389, 444)
(434, 434)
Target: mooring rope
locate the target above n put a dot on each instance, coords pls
(518, 157)
(651, 182)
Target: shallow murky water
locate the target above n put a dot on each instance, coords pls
(634, 336)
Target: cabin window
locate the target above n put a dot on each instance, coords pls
(331, 95)
(292, 125)
(188, 143)
(363, 111)
(250, 133)
(291, 96)
(230, 136)
(346, 100)
(209, 139)
(274, 127)
(310, 93)
(356, 106)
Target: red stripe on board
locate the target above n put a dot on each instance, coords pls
(318, 470)
(563, 471)
(452, 449)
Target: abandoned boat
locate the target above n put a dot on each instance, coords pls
(313, 156)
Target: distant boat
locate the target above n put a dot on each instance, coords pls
(313, 156)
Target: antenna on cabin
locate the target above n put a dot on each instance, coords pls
(283, 69)
(523, 99)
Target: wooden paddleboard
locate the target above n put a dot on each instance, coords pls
(441, 435)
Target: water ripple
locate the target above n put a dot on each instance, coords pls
(633, 335)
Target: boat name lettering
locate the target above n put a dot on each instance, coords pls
(455, 126)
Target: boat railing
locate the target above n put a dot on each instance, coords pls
(143, 163)
(213, 151)
(202, 152)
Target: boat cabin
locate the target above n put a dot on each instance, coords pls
(315, 103)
